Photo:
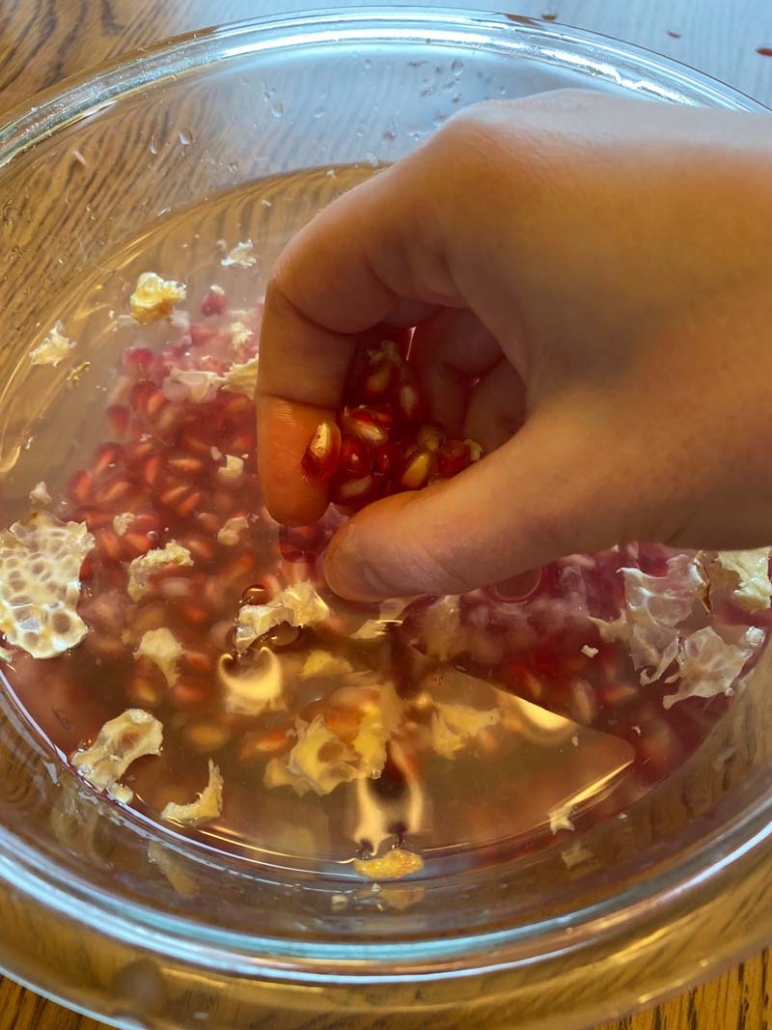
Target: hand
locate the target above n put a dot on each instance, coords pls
(592, 280)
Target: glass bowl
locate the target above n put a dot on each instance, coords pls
(93, 177)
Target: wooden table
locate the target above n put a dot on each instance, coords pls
(42, 41)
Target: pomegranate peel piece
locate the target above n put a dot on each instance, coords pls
(204, 809)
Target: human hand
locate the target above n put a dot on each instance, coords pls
(591, 279)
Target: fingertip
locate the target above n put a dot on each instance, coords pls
(284, 432)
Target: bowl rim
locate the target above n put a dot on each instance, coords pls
(86, 95)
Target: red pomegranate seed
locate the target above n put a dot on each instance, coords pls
(139, 450)
(430, 437)
(81, 487)
(105, 646)
(188, 695)
(189, 504)
(195, 615)
(143, 691)
(453, 457)
(616, 695)
(418, 470)
(94, 518)
(112, 492)
(173, 494)
(366, 425)
(139, 362)
(175, 588)
(151, 470)
(185, 465)
(214, 303)
(202, 336)
(301, 543)
(109, 546)
(354, 459)
(202, 548)
(107, 457)
(166, 418)
(238, 572)
(242, 445)
(138, 541)
(213, 595)
(119, 420)
(259, 745)
(237, 408)
(195, 441)
(320, 460)
(209, 522)
(584, 704)
(146, 398)
(198, 661)
(387, 460)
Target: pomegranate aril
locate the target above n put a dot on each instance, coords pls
(95, 518)
(166, 419)
(408, 395)
(146, 399)
(208, 522)
(139, 362)
(365, 425)
(354, 490)
(195, 441)
(453, 457)
(185, 465)
(198, 661)
(119, 420)
(202, 548)
(320, 460)
(81, 487)
(377, 379)
(109, 546)
(301, 543)
(113, 492)
(214, 303)
(387, 460)
(202, 335)
(151, 469)
(195, 615)
(238, 572)
(173, 494)
(430, 437)
(355, 458)
(188, 695)
(189, 504)
(418, 470)
(259, 745)
(206, 737)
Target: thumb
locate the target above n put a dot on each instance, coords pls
(542, 495)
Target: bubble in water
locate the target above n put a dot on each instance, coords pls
(367, 64)
(233, 167)
(371, 159)
(186, 137)
(153, 144)
(457, 67)
(319, 112)
(277, 109)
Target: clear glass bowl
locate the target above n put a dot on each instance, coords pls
(676, 888)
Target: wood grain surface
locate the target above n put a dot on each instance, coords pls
(43, 41)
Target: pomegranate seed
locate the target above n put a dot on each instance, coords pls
(139, 362)
(112, 492)
(453, 457)
(243, 444)
(387, 460)
(206, 737)
(146, 398)
(616, 695)
(258, 745)
(151, 470)
(185, 465)
(202, 336)
(378, 379)
(301, 543)
(209, 522)
(166, 418)
(138, 542)
(366, 425)
(81, 487)
(214, 303)
(195, 615)
(137, 451)
(189, 504)
(355, 489)
(418, 470)
(584, 704)
(104, 646)
(198, 661)
(213, 596)
(354, 459)
(430, 437)
(408, 397)
(145, 687)
(152, 615)
(109, 546)
(188, 695)
(237, 408)
(320, 460)
(119, 420)
(202, 548)
(94, 518)
(173, 494)
(195, 442)
(224, 504)
(237, 573)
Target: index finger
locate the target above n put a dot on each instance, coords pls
(360, 262)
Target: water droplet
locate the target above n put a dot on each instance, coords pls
(277, 109)
(319, 112)
(457, 67)
(186, 137)
(153, 144)
(371, 159)
(367, 64)
(233, 167)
